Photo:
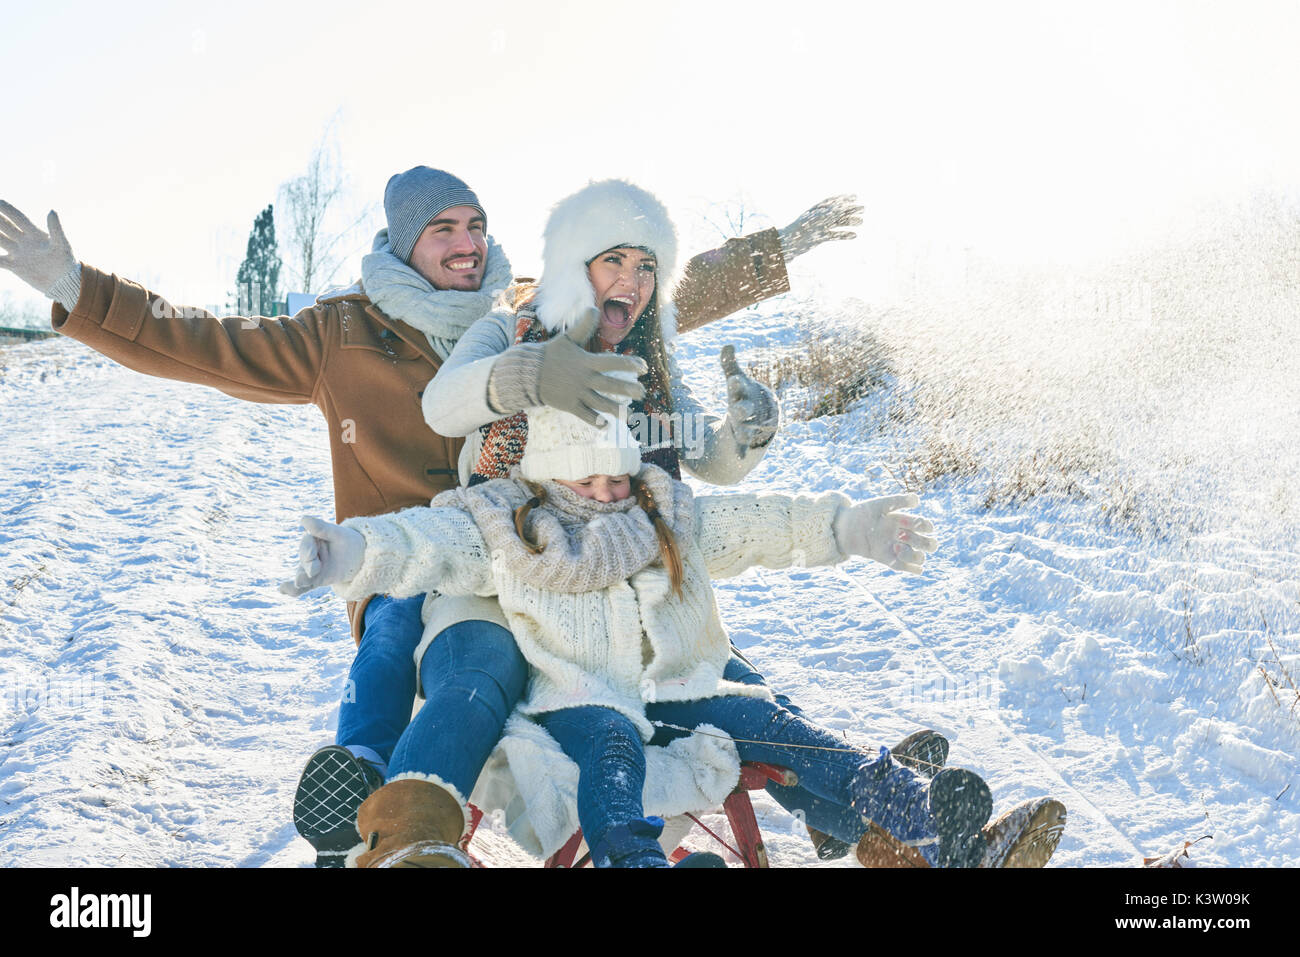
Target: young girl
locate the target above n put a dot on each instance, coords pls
(602, 565)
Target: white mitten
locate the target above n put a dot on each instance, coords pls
(822, 223)
(328, 555)
(42, 260)
(875, 529)
(752, 407)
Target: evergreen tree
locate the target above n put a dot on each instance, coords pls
(258, 282)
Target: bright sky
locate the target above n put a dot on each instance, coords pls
(159, 130)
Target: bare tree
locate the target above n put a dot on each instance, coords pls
(732, 217)
(318, 229)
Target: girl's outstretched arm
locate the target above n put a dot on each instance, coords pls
(400, 554)
(738, 532)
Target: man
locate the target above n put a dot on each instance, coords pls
(364, 356)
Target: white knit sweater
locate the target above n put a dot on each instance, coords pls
(622, 646)
(587, 648)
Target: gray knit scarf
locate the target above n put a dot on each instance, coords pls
(586, 545)
(441, 314)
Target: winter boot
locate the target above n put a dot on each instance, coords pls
(879, 848)
(960, 804)
(634, 844)
(702, 859)
(940, 819)
(330, 792)
(923, 751)
(412, 822)
(828, 848)
(1026, 835)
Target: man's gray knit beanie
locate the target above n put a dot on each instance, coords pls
(413, 198)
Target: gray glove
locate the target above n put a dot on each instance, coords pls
(820, 224)
(329, 554)
(752, 408)
(875, 529)
(42, 260)
(561, 373)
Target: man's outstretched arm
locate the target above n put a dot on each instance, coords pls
(262, 360)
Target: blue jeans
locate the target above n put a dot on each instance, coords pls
(473, 675)
(606, 746)
(381, 682)
(611, 769)
(826, 816)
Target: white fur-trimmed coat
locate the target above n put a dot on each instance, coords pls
(587, 648)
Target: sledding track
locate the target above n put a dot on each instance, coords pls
(1072, 797)
(159, 693)
(987, 743)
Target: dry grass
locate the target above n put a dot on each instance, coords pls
(1150, 387)
(830, 370)
(1283, 682)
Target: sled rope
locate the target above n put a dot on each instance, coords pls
(778, 744)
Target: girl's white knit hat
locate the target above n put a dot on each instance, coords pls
(562, 446)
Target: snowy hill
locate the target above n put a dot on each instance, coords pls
(160, 696)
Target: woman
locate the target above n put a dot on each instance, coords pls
(608, 261)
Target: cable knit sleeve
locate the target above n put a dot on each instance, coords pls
(738, 532)
(418, 550)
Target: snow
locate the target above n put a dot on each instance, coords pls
(159, 696)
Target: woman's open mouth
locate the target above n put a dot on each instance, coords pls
(617, 312)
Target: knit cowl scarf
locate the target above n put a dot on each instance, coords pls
(442, 315)
(586, 545)
(505, 439)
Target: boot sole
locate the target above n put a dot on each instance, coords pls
(961, 804)
(330, 792)
(425, 854)
(924, 751)
(1038, 840)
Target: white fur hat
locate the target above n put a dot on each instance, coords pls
(601, 216)
(562, 446)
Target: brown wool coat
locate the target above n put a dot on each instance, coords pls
(365, 370)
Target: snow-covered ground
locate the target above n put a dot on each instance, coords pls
(160, 696)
